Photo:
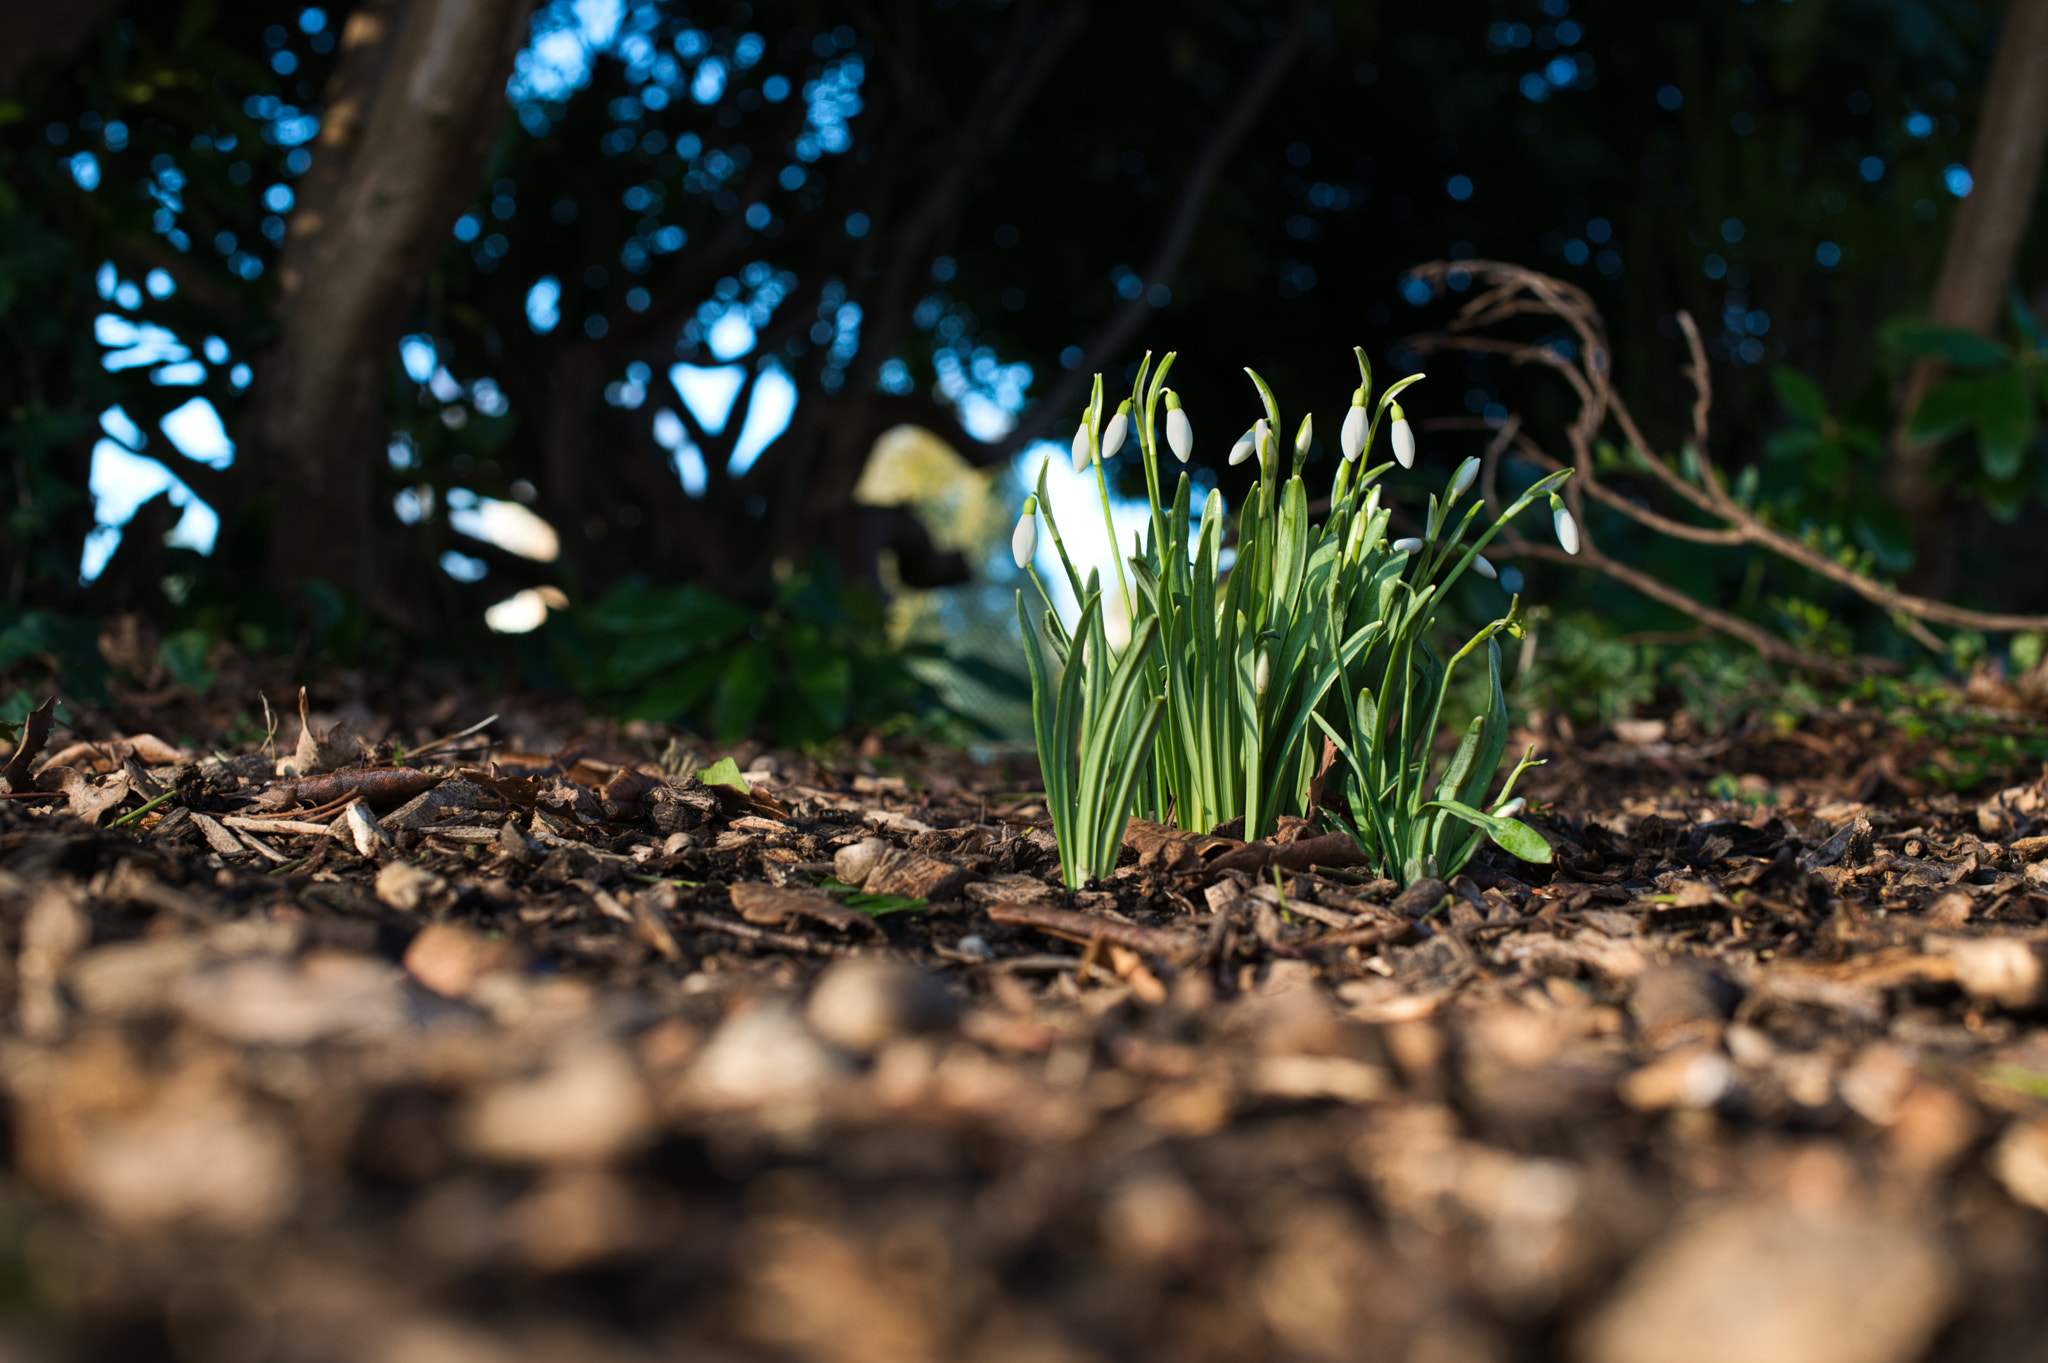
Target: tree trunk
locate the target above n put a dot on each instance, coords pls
(1978, 263)
(416, 101)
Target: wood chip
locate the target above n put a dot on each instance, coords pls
(1082, 927)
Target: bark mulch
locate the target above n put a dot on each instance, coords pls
(531, 1051)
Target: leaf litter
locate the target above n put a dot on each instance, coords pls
(521, 1048)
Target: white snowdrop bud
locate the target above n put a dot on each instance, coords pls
(1304, 437)
(1262, 441)
(1567, 528)
(1485, 569)
(1242, 450)
(1084, 449)
(1024, 539)
(1409, 545)
(1180, 436)
(1461, 481)
(1119, 426)
(1352, 437)
(1404, 439)
(1262, 672)
(1511, 808)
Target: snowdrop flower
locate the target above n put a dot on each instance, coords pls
(1352, 438)
(1485, 569)
(1461, 481)
(1119, 426)
(1409, 545)
(1242, 450)
(1262, 672)
(1180, 436)
(1262, 441)
(1084, 445)
(1024, 539)
(1404, 439)
(1511, 808)
(1304, 437)
(1567, 528)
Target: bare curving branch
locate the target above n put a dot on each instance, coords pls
(1507, 292)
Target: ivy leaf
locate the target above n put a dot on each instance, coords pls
(1948, 408)
(2005, 423)
(1952, 345)
(1802, 396)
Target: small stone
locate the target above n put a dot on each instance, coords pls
(764, 1054)
(866, 1002)
(1695, 1078)
(1766, 1284)
(2020, 1160)
(2000, 970)
(1951, 910)
(199, 1159)
(408, 888)
(450, 959)
(1682, 1004)
(975, 945)
(851, 865)
(590, 1107)
(675, 844)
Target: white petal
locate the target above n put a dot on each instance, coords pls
(1113, 438)
(1305, 437)
(1242, 450)
(1485, 569)
(1262, 673)
(1180, 436)
(1511, 808)
(1081, 451)
(1461, 481)
(1567, 530)
(1407, 546)
(1024, 540)
(1353, 435)
(1404, 444)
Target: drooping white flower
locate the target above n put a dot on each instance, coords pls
(1242, 450)
(1180, 436)
(1409, 545)
(1511, 808)
(1461, 481)
(1262, 441)
(1352, 437)
(1567, 528)
(1262, 672)
(1403, 438)
(1119, 426)
(1484, 568)
(1084, 446)
(1305, 437)
(1024, 539)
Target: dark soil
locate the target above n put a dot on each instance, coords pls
(570, 1057)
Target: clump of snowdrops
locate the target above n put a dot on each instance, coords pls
(1217, 707)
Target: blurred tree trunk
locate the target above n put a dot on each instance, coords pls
(411, 112)
(1983, 245)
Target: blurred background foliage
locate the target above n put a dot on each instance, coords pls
(613, 421)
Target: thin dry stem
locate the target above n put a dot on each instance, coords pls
(1510, 291)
